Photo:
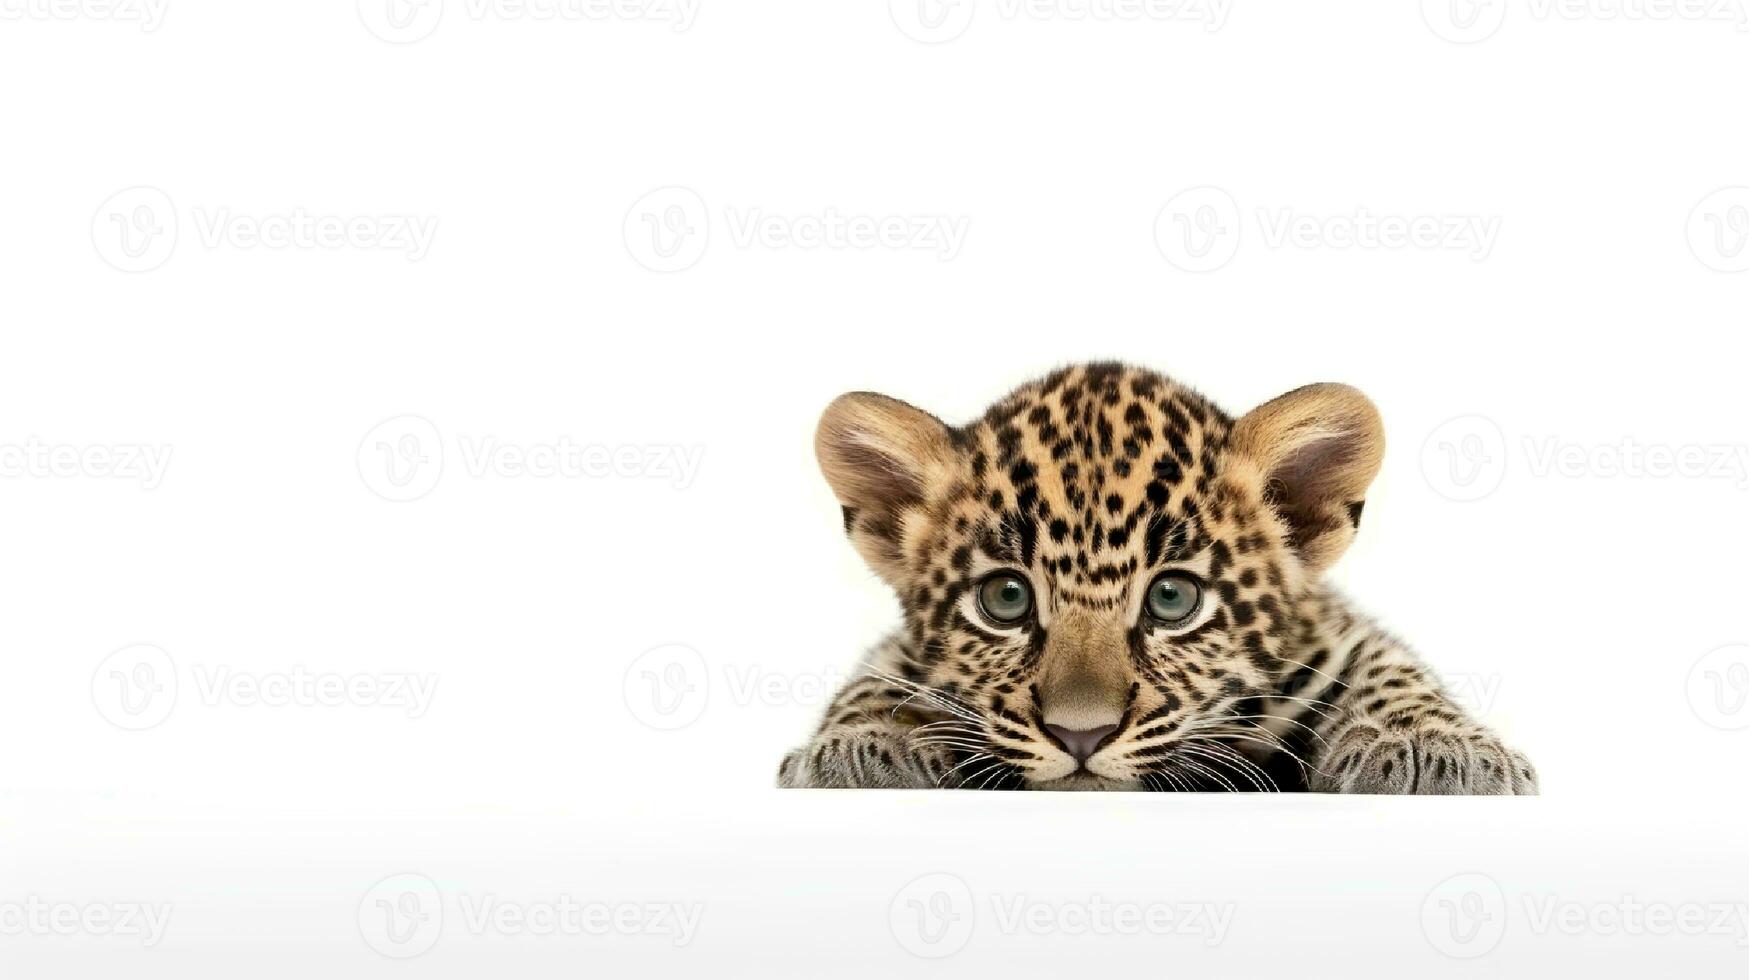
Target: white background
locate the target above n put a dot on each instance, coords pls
(557, 299)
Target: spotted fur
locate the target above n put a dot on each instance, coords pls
(1089, 483)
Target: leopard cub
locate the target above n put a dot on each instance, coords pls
(1108, 583)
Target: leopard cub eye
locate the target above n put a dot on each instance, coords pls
(1005, 598)
(1174, 598)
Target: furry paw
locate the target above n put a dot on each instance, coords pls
(866, 760)
(1365, 757)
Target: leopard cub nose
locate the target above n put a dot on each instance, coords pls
(1081, 743)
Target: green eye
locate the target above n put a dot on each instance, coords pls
(1174, 597)
(1005, 598)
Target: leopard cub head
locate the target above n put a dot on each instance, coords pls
(1104, 565)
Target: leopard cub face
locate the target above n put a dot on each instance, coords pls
(1103, 566)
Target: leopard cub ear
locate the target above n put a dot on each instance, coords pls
(881, 457)
(1318, 449)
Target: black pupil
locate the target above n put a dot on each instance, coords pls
(1011, 592)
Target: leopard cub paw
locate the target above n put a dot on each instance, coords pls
(866, 760)
(1365, 757)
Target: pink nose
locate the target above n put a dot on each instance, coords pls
(1083, 743)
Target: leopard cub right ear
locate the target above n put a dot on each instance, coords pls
(880, 456)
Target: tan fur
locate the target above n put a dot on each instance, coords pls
(1088, 485)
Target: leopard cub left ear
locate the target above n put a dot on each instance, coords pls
(1318, 448)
